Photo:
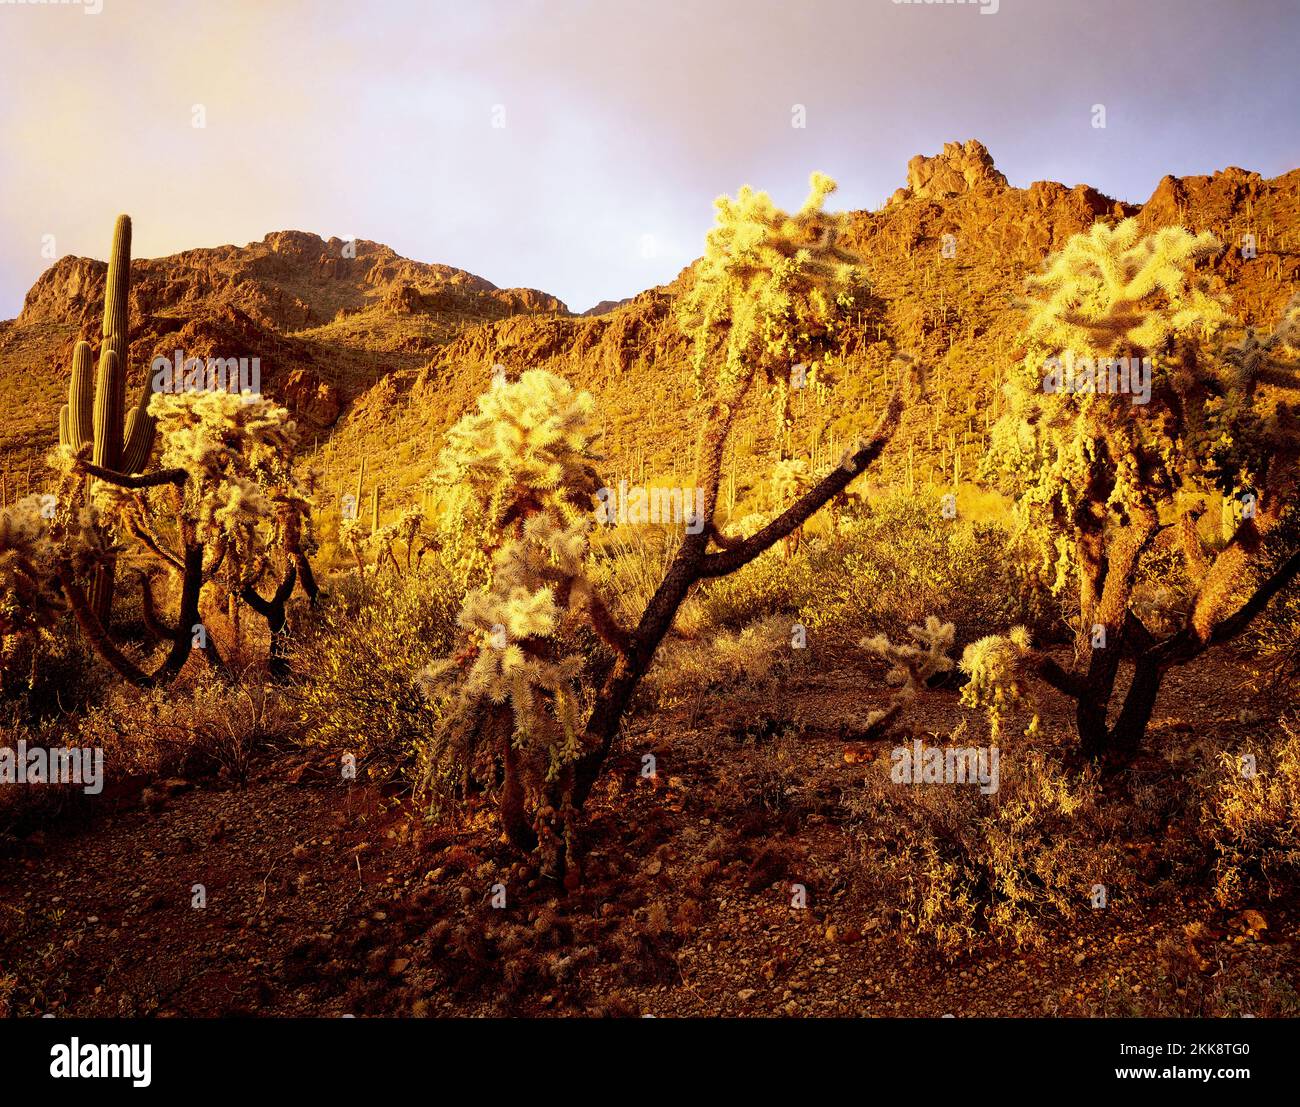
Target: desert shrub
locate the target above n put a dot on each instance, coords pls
(24, 808)
(901, 561)
(356, 664)
(768, 586)
(626, 568)
(1275, 636)
(959, 864)
(1252, 822)
(209, 726)
(883, 571)
(756, 656)
(51, 673)
(1276, 643)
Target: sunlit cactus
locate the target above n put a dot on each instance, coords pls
(526, 453)
(96, 409)
(911, 666)
(221, 513)
(528, 448)
(37, 535)
(791, 478)
(772, 290)
(1159, 414)
(997, 678)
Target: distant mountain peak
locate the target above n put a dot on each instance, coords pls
(960, 167)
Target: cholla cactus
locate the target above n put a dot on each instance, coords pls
(528, 448)
(1103, 474)
(409, 529)
(778, 285)
(791, 479)
(224, 510)
(512, 625)
(39, 534)
(997, 674)
(234, 453)
(773, 291)
(1097, 294)
(353, 537)
(527, 454)
(911, 666)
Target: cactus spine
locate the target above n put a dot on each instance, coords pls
(95, 409)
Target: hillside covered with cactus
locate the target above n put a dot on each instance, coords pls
(376, 355)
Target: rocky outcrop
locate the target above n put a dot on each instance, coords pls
(606, 306)
(960, 168)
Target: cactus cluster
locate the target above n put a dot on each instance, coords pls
(222, 513)
(1103, 482)
(95, 413)
(95, 419)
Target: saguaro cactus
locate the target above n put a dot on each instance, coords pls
(94, 413)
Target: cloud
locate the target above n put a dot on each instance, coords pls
(622, 119)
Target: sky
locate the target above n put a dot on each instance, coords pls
(577, 146)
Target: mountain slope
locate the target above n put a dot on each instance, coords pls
(326, 318)
(378, 354)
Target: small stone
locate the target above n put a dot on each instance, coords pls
(1254, 920)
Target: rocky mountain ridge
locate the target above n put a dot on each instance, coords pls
(376, 353)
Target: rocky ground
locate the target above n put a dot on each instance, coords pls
(301, 893)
